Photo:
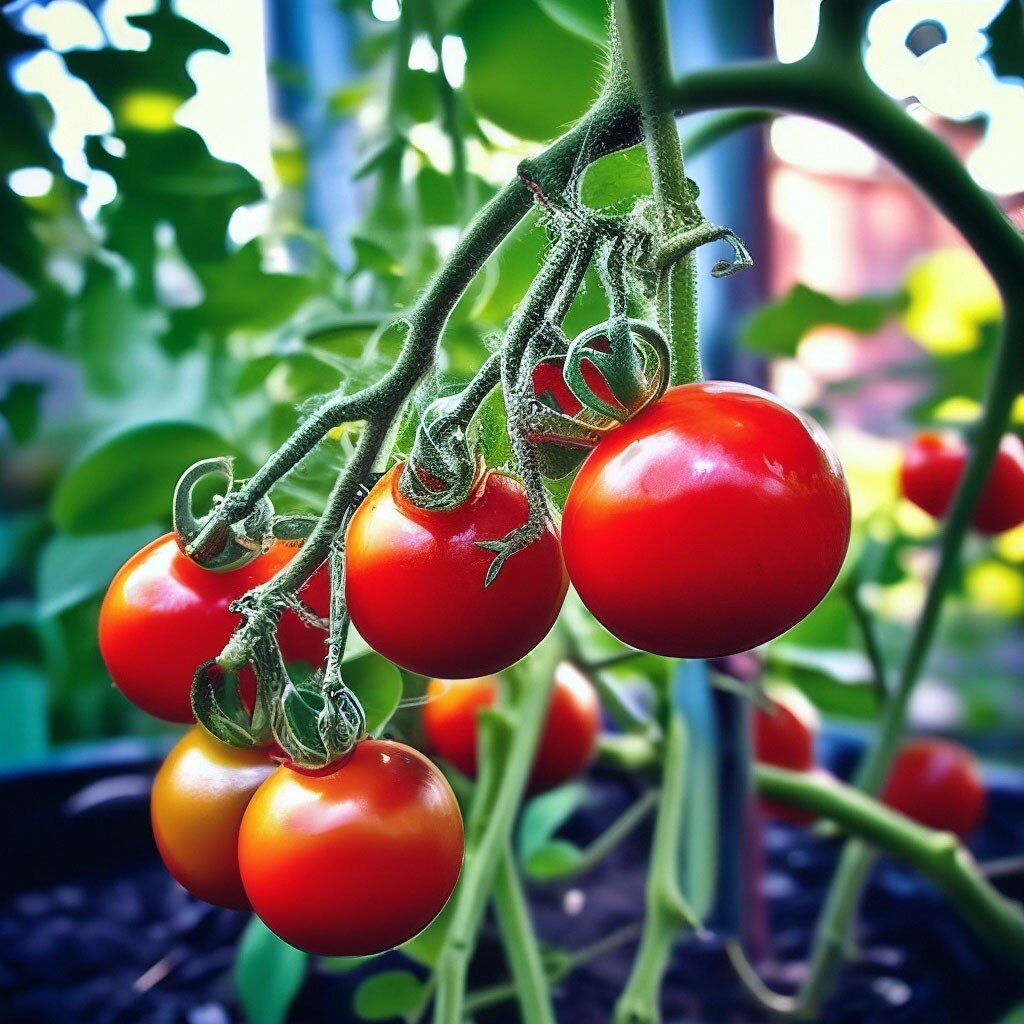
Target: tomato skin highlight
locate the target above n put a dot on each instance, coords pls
(163, 616)
(199, 796)
(934, 464)
(711, 522)
(414, 580)
(355, 862)
(567, 743)
(938, 784)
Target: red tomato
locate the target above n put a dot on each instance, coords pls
(785, 737)
(414, 580)
(934, 464)
(938, 784)
(199, 797)
(163, 616)
(550, 386)
(357, 861)
(712, 522)
(565, 748)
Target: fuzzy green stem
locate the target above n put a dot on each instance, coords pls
(997, 920)
(495, 818)
(666, 910)
(520, 941)
(643, 28)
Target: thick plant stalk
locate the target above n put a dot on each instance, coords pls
(644, 34)
(490, 834)
(666, 910)
(523, 951)
(939, 856)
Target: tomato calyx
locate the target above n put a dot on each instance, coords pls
(212, 541)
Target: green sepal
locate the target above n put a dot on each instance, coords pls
(218, 707)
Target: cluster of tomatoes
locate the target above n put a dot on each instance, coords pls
(935, 782)
(710, 522)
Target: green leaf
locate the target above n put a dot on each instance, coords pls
(778, 328)
(616, 181)
(586, 18)
(345, 964)
(127, 480)
(544, 815)
(71, 568)
(378, 686)
(524, 71)
(1015, 1016)
(20, 408)
(836, 680)
(387, 995)
(24, 695)
(426, 947)
(553, 860)
(1006, 41)
(268, 974)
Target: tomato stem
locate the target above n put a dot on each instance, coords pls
(496, 801)
(666, 909)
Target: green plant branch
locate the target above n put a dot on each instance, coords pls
(869, 637)
(559, 968)
(492, 819)
(644, 32)
(666, 910)
(520, 941)
(595, 851)
(939, 856)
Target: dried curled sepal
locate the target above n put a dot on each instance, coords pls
(210, 540)
(218, 706)
(316, 723)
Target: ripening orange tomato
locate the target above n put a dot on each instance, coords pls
(199, 796)
(564, 749)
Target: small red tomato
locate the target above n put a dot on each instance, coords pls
(357, 861)
(199, 797)
(934, 464)
(711, 522)
(414, 580)
(163, 616)
(565, 748)
(785, 737)
(938, 784)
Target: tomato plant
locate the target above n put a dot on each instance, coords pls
(163, 616)
(480, 338)
(934, 465)
(356, 861)
(199, 796)
(710, 523)
(937, 783)
(564, 749)
(415, 580)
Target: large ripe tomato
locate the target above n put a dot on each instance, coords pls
(710, 523)
(356, 861)
(785, 738)
(565, 748)
(163, 616)
(199, 797)
(414, 580)
(938, 784)
(934, 464)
